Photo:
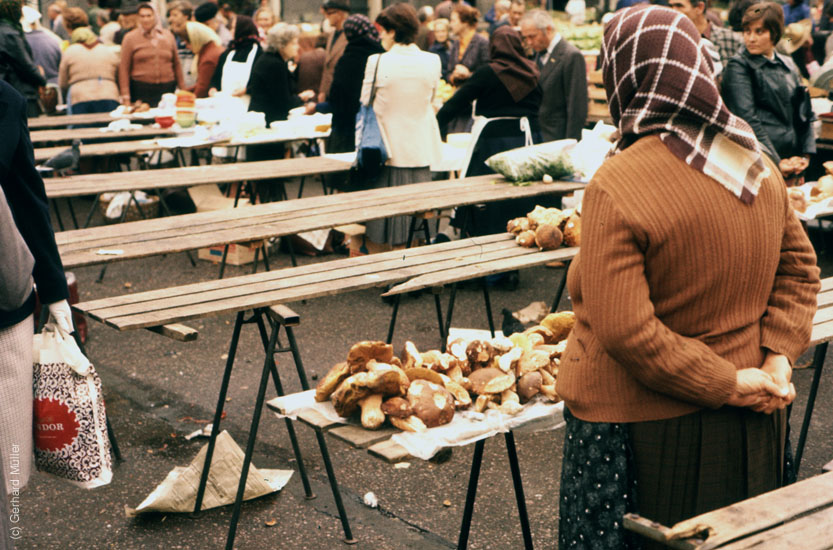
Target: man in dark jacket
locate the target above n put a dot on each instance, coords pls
(563, 79)
(16, 64)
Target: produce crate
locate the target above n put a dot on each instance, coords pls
(150, 209)
(596, 95)
(238, 253)
(826, 128)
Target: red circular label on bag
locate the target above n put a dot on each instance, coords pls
(55, 425)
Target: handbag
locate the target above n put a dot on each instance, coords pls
(48, 99)
(371, 153)
(70, 424)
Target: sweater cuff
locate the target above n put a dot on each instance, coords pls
(782, 344)
(723, 385)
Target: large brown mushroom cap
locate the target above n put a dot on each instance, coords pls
(330, 382)
(398, 407)
(490, 380)
(362, 352)
(432, 403)
(383, 379)
(529, 384)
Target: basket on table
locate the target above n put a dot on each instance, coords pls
(150, 208)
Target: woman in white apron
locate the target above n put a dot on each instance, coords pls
(235, 64)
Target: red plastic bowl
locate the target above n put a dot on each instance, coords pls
(165, 121)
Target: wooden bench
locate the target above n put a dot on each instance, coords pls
(174, 145)
(141, 239)
(821, 337)
(103, 119)
(97, 134)
(170, 178)
(796, 516)
(265, 295)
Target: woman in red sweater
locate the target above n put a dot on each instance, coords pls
(694, 292)
(205, 44)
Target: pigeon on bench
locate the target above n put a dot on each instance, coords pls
(66, 159)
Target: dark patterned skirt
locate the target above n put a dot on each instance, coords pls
(665, 470)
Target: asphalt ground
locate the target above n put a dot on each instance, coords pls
(158, 390)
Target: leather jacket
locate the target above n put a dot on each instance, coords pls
(768, 94)
(16, 64)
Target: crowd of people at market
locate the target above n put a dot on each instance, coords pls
(675, 385)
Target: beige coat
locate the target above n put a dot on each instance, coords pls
(405, 86)
(89, 73)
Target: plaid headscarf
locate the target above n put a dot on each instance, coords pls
(357, 26)
(659, 80)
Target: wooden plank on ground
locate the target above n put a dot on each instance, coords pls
(360, 437)
(758, 513)
(389, 451)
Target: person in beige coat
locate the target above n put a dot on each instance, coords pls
(88, 74)
(406, 82)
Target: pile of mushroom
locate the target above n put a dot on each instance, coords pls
(421, 390)
(547, 228)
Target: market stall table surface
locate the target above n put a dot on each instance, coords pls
(164, 310)
(97, 134)
(175, 144)
(41, 122)
(165, 178)
(99, 245)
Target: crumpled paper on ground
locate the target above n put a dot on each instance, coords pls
(120, 200)
(178, 492)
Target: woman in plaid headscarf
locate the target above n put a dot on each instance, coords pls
(694, 292)
(16, 64)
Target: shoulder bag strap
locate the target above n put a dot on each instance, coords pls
(373, 86)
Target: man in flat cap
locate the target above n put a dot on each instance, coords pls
(207, 14)
(336, 12)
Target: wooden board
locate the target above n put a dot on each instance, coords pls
(66, 136)
(315, 419)
(359, 437)
(389, 451)
(179, 233)
(165, 178)
(103, 119)
(752, 516)
(813, 532)
(199, 300)
(140, 146)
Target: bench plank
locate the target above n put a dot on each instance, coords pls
(65, 135)
(164, 178)
(143, 313)
(143, 238)
(759, 513)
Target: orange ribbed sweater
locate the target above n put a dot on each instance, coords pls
(677, 285)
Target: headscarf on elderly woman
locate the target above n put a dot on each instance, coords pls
(343, 98)
(660, 81)
(207, 49)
